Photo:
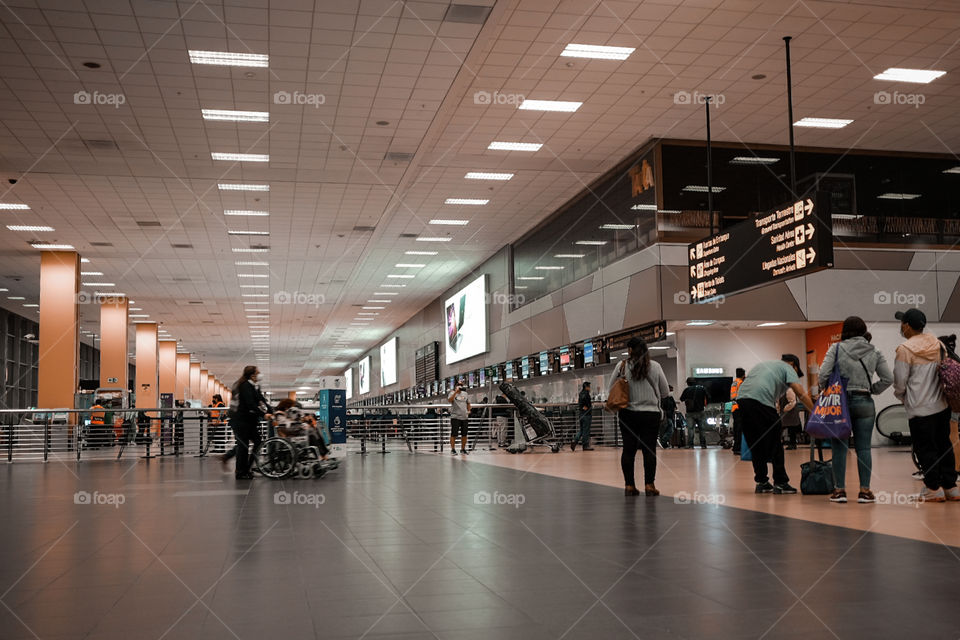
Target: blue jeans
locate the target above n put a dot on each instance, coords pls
(583, 436)
(698, 420)
(862, 415)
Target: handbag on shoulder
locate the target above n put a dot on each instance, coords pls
(619, 396)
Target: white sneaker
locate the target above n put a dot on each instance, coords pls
(953, 494)
(929, 495)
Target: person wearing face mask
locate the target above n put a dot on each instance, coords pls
(247, 407)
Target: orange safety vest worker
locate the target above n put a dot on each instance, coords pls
(734, 390)
(97, 417)
(215, 415)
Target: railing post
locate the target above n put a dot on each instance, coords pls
(10, 443)
(46, 439)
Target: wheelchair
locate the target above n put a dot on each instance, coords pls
(292, 456)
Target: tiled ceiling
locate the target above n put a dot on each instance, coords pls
(396, 79)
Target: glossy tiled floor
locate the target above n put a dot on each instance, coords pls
(408, 546)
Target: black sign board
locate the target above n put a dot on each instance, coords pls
(795, 240)
(653, 332)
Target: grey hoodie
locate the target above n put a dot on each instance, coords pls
(916, 376)
(852, 352)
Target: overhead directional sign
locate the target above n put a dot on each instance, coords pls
(795, 240)
(653, 332)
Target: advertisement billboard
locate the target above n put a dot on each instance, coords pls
(465, 322)
(388, 362)
(348, 382)
(363, 371)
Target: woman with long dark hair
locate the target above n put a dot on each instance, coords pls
(640, 421)
(247, 408)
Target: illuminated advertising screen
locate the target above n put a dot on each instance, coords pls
(363, 383)
(348, 382)
(587, 353)
(509, 374)
(544, 363)
(566, 362)
(525, 368)
(483, 377)
(465, 321)
(388, 363)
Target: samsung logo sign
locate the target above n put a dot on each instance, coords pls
(708, 371)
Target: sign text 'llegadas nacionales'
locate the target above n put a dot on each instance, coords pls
(791, 241)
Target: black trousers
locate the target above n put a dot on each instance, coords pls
(931, 443)
(737, 430)
(639, 430)
(761, 428)
(245, 432)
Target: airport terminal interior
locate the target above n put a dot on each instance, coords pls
(463, 319)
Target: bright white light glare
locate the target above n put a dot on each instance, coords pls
(822, 123)
(470, 201)
(548, 268)
(409, 265)
(250, 250)
(248, 233)
(13, 206)
(420, 253)
(243, 187)
(28, 227)
(591, 243)
(771, 324)
(229, 59)
(753, 160)
(53, 247)
(235, 116)
(570, 255)
(550, 105)
(429, 239)
(919, 76)
(898, 196)
(597, 52)
(700, 323)
(483, 175)
(514, 146)
(699, 188)
(245, 212)
(532, 278)
(617, 227)
(240, 157)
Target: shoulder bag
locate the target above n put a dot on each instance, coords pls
(619, 396)
(831, 415)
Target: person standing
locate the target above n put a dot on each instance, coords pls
(585, 419)
(459, 418)
(695, 399)
(757, 397)
(669, 421)
(640, 421)
(247, 408)
(502, 415)
(735, 411)
(916, 383)
(858, 361)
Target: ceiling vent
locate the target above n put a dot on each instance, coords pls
(363, 228)
(101, 244)
(467, 13)
(398, 156)
(148, 223)
(181, 245)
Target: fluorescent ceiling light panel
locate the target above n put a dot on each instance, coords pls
(52, 247)
(430, 239)
(246, 250)
(245, 212)
(240, 157)
(28, 227)
(570, 255)
(898, 196)
(243, 187)
(550, 105)
(409, 265)
(532, 278)
(822, 123)
(15, 298)
(253, 275)
(229, 59)
(248, 233)
(426, 253)
(919, 76)
(372, 308)
(597, 52)
(91, 273)
(98, 284)
(699, 188)
(13, 206)
(753, 160)
(469, 201)
(235, 116)
(591, 243)
(254, 295)
(367, 313)
(644, 207)
(617, 227)
(771, 324)
(514, 146)
(700, 323)
(401, 275)
(242, 263)
(139, 315)
(394, 286)
(450, 223)
(85, 260)
(385, 293)
(483, 175)
(548, 268)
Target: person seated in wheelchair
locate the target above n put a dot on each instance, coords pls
(291, 422)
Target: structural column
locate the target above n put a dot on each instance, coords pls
(204, 391)
(59, 353)
(194, 389)
(182, 384)
(146, 371)
(114, 325)
(167, 363)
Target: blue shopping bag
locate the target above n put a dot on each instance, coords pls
(745, 450)
(831, 415)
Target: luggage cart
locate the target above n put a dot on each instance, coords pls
(535, 430)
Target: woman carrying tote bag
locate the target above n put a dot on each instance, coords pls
(858, 362)
(639, 420)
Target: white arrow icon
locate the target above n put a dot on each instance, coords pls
(693, 253)
(811, 254)
(809, 208)
(693, 293)
(809, 231)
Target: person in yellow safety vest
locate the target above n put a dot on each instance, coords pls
(216, 420)
(734, 410)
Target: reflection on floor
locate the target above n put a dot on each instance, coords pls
(716, 475)
(429, 546)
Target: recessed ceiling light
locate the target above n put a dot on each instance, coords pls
(467, 201)
(98, 284)
(644, 207)
(241, 157)
(822, 123)
(229, 59)
(27, 227)
(15, 298)
(753, 160)
(139, 315)
(483, 175)
(617, 227)
(248, 233)
(409, 265)
(401, 276)
(394, 286)
(254, 295)
(235, 116)
(379, 301)
(31, 305)
(242, 263)
(249, 250)
(91, 273)
(53, 247)
(548, 268)
(13, 206)
(243, 187)
(367, 313)
(514, 146)
(898, 196)
(699, 188)
(245, 212)
(771, 324)
(85, 260)
(532, 278)
(657, 348)
(420, 253)
(254, 286)
(591, 243)
(597, 52)
(569, 255)
(135, 309)
(385, 293)
(429, 239)
(371, 308)
(700, 323)
(919, 76)
(550, 105)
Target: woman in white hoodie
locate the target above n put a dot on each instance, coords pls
(858, 361)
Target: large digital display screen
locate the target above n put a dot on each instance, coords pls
(566, 363)
(388, 363)
(509, 372)
(587, 353)
(363, 383)
(348, 382)
(525, 368)
(788, 242)
(465, 322)
(544, 363)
